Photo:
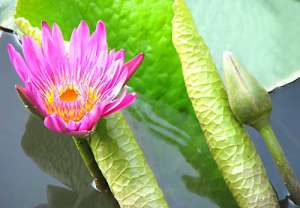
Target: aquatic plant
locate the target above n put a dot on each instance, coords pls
(73, 86)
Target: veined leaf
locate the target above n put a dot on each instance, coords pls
(123, 165)
(229, 143)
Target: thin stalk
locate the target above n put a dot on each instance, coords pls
(280, 160)
(87, 155)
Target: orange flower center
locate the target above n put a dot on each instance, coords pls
(69, 95)
(71, 106)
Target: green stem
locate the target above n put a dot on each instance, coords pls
(280, 160)
(87, 155)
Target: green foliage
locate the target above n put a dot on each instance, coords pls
(123, 164)
(132, 25)
(136, 26)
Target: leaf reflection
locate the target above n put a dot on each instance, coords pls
(56, 155)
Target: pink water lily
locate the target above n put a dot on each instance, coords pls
(73, 85)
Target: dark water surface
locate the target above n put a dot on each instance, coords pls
(41, 169)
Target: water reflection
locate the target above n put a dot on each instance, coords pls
(59, 197)
(171, 141)
(57, 156)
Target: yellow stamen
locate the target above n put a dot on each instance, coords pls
(70, 94)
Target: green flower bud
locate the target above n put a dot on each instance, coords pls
(248, 100)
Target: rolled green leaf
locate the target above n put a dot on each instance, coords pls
(123, 165)
(229, 143)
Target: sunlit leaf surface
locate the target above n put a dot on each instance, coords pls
(7, 10)
(132, 25)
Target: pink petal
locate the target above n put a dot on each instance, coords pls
(54, 52)
(58, 39)
(96, 55)
(98, 38)
(34, 95)
(45, 27)
(78, 47)
(33, 55)
(49, 51)
(115, 83)
(55, 123)
(84, 31)
(36, 63)
(46, 37)
(100, 33)
(23, 95)
(73, 126)
(27, 100)
(133, 64)
(119, 104)
(120, 54)
(18, 62)
(91, 118)
(84, 126)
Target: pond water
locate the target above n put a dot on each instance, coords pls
(40, 169)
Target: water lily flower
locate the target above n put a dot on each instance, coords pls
(73, 85)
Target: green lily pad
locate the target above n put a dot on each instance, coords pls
(263, 34)
(133, 25)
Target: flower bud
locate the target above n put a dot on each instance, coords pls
(248, 100)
